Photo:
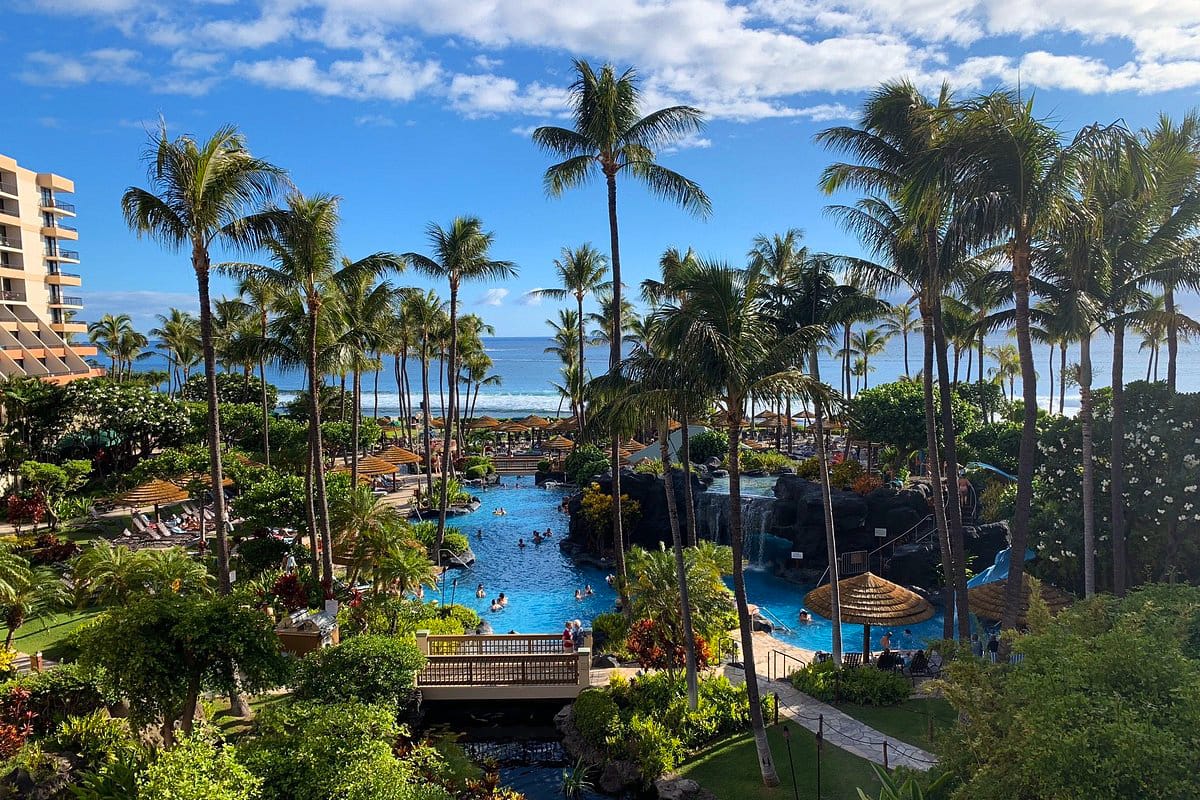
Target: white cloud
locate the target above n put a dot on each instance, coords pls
(374, 121)
(106, 65)
(487, 63)
(382, 74)
(492, 297)
(689, 142)
(533, 300)
(488, 94)
(524, 131)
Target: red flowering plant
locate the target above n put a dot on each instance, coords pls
(652, 645)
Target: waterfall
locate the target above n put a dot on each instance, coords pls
(712, 519)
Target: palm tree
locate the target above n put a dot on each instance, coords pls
(581, 273)
(569, 347)
(424, 312)
(460, 253)
(901, 320)
(178, 334)
(260, 296)
(304, 266)
(869, 342)
(40, 594)
(117, 339)
(906, 220)
(611, 138)
(204, 194)
(725, 326)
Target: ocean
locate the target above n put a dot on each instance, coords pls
(526, 373)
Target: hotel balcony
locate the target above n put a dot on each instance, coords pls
(12, 297)
(11, 244)
(9, 217)
(61, 278)
(65, 302)
(62, 328)
(56, 206)
(65, 256)
(60, 231)
(8, 189)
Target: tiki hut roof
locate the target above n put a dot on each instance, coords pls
(560, 443)
(512, 427)
(868, 599)
(203, 478)
(153, 492)
(987, 600)
(534, 421)
(484, 422)
(373, 465)
(398, 455)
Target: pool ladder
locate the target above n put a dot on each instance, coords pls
(776, 621)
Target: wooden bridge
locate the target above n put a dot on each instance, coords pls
(502, 667)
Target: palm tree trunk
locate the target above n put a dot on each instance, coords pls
(970, 363)
(581, 372)
(1062, 375)
(766, 763)
(790, 430)
(1089, 466)
(1050, 383)
(1117, 458)
(321, 499)
(216, 475)
(954, 521)
(262, 376)
(835, 597)
(355, 424)
(1149, 364)
(375, 390)
(310, 511)
(685, 456)
(614, 359)
(685, 604)
(452, 380)
(904, 336)
(1014, 590)
(425, 422)
(1172, 337)
(342, 410)
(933, 462)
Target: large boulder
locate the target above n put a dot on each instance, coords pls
(681, 789)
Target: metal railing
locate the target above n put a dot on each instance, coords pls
(64, 272)
(877, 556)
(72, 254)
(7, 242)
(775, 620)
(59, 204)
(71, 301)
(63, 226)
(501, 670)
(503, 644)
(781, 665)
(13, 296)
(8, 188)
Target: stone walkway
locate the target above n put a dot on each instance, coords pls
(839, 728)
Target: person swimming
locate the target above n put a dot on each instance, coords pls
(503, 600)
(548, 533)
(587, 591)
(499, 512)
(521, 543)
(479, 533)
(496, 606)
(479, 592)
(537, 538)
(805, 617)
(578, 595)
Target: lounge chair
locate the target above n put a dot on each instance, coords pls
(852, 659)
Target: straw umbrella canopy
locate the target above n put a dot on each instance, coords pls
(484, 422)
(560, 443)
(867, 600)
(373, 465)
(512, 427)
(188, 478)
(398, 455)
(633, 445)
(987, 601)
(534, 421)
(564, 425)
(154, 492)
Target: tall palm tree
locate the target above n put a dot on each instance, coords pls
(260, 296)
(425, 313)
(204, 194)
(460, 253)
(611, 138)
(568, 346)
(725, 325)
(901, 320)
(906, 221)
(117, 339)
(581, 273)
(178, 335)
(869, 342)
(304, 264)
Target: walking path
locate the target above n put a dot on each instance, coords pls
(839, 728)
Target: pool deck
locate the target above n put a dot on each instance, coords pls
(840, 729)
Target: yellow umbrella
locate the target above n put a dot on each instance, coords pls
(867, 600)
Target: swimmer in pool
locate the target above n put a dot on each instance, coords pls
(587, 591)
(805, 617)
(503, 600)
(521, 543)
(496, 605)
(578, 595)
(479, 592)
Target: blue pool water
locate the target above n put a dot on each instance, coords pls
(540, 581)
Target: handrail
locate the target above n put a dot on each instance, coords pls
(897, 540)
(772, 659)
(766, 612)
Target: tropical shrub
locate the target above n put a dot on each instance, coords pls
(894, 413)
(471, 462)
(259, 554)
(865, 484)
(862, 685)
(649, 466)
(655, 647)
(198, 769)
(94, 739)
(374, 669)
(809, 469)
(398, 616)
(139, 419)
(767, 461)
(584, 463)
(475, 473)
(994, 443)
(846, 473)
(708, 444)
(609, 630)
(596, 507)
(231, 388)
(545, 465)
(55, 695)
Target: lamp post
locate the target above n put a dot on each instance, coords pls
(787, 739)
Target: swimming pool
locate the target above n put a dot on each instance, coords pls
(540, 581)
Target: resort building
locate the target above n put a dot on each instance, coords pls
(37, 311)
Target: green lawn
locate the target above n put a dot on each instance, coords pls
(231, 726)
(730, 769)
(34, 636)
(908, 721)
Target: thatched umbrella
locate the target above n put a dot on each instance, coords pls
(633, 445)
(564, 425)
(398, 455)
(154, 492)
(534, 421)
(987, 601)
(203, 478)
(560, 443)
(483, 423)
(867, 600)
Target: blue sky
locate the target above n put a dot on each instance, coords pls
(417, 111)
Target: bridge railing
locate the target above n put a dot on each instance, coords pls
(496, 644)
(528, 664)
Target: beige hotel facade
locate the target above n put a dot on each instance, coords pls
(38, 333)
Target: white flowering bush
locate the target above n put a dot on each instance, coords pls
(1162, 490)
(142, 418)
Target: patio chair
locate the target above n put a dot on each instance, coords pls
(138, 525)
(852, 659)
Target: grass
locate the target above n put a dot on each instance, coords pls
(47, 634)
(231, 726)
(729, 769)
(907, 722)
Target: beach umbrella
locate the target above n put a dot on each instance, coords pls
(484, 422)
(154, 492)
(564, 425)
(560, 443)
(373, 465)
(534, 421)
(867, 600)
(203, 478)
(633, 445)
(987, 601)
(512, 427)
(398, 455)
